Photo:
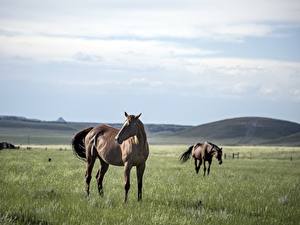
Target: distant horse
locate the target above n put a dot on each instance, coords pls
(202, 152)
(126, 147)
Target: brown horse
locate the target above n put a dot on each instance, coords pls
(202, 153)
(126, 147)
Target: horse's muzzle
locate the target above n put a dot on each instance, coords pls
(220, 162)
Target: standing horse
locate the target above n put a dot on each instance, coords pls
(126, 147)
(202, 153)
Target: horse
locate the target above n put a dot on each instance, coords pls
(126, 147)
(202, 152)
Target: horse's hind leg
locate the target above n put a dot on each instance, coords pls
(88, 174)
(100, 175)
(197, 165)
(140, 172)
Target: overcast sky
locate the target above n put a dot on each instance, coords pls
(183, 62)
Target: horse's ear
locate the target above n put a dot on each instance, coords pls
(138, 116)
(126, 114)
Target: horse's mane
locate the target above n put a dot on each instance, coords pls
(214, 146)
(141, 130)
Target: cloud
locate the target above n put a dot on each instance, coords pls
(159, 65)
(87, 57)
(110, 52)
(221, 78)
(240, 77)
(167, 48)
(221, 20)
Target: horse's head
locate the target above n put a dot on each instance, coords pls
(129, 128)
(219, 155)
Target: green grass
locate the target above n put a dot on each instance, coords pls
(260, 190)
(21, 136)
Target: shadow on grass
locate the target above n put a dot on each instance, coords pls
(46, 194)
(181, 203)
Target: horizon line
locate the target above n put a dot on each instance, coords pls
(149, 123)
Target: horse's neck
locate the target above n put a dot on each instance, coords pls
(212, 150)
(141, 135)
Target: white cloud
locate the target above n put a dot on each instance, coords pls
(239, 77)
(132, 53)
(227, 20)
(176, 67)
(134, 38)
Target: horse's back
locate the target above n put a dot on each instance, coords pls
(104, 129)
(103, 137)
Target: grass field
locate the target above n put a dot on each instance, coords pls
(261, 189)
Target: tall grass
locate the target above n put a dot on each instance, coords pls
(244, 191)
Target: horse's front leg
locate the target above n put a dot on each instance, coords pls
(140, 172)
(208, 169)
(127, 180)
(196, 166)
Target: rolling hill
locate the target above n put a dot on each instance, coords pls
(244, 131)
(20, 130)
(235, 131)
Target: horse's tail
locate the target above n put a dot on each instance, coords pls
(78, 143)
(186, 155)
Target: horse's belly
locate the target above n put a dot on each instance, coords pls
(117, 159)
(113, 161)
(111, 156)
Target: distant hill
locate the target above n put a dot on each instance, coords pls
(236, 131)
(21, 130)
(61, 120)
(245, 131)
(18, 118)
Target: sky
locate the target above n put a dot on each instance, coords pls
(182, 62)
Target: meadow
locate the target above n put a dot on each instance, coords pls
(262, 187)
